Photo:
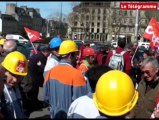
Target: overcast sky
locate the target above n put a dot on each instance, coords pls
(46, 8)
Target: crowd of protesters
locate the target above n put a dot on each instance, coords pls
(79, 83)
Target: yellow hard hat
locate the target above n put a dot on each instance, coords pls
(16, 63)
(115, 93)
(2, 41)
(68, 46)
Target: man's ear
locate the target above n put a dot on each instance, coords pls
(157, 71)
(70, 56)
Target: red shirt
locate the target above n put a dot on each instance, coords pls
(127, 60)
(99, 56)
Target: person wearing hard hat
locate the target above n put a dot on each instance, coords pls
(54, 57)
(16, 66)
(2, 41)
(1, 46)
(88, 58)
(2, 75)
(64, 83)
(115, 96)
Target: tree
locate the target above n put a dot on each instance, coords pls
(116, 21)
(57, 24)
(152, 13)
(78, 19)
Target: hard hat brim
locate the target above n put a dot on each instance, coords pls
(119, 111)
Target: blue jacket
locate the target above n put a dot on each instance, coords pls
(63, 84)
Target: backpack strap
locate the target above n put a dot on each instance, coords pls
(113, 51)
(123, 52)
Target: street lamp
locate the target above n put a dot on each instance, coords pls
(47, 29)
(136, 24)
(60, 33)
(114, 24)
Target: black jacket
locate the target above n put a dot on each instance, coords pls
(36, 71)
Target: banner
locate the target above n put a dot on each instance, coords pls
(32, 34)
(138, 5)
(152, 33)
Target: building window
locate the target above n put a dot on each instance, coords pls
(87, 17)
(93, 11)
(98, 3)
(87, 24)
(75, 24)
(131, 13)
(117, 13)
(92, 30)
(98, 17)
(104, 11)
(103, 30)
(97, 36)
(98, 24)
(92, 24)
(104, 24)
(93, 17)
(87, 29)
(131, 21)
(98, 30)
(92, 36)
(125, 13)
(104, 18)
(98, 10)
(122, 29)
(86, 4)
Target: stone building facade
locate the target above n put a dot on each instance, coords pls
(9, 24)
(104, 21)
(16, 18)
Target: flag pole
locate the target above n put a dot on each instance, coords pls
(33, 47)
(134, 55)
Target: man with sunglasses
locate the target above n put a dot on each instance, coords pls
(148, 89)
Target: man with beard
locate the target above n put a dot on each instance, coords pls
(54, 57)
(64, 83)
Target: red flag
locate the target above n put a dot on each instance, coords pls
(152, 33)
(32, 34)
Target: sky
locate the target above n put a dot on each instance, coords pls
(47, 9)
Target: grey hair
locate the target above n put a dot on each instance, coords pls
(10, 49)
(151, 60)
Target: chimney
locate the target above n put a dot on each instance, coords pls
(10, 9)
(31, 14)
(37, 10)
